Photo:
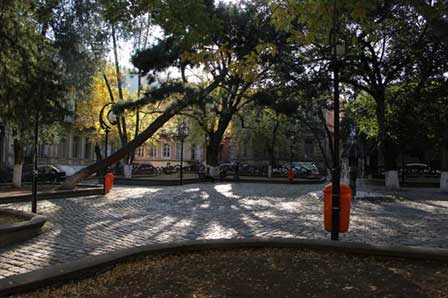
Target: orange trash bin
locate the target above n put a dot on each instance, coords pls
(291, 175)
(108, 182)
(344, 213)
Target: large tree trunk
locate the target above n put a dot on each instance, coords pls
(273, 142)
(215, 139)
(388, 147)
(212, 152)
(122, 129)
(71, 181)
(444, 166)
(212, 149)
(18, 163)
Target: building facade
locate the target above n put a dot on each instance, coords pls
(167, 151)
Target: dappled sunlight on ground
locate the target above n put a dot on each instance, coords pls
(134, 216)
(226, 190)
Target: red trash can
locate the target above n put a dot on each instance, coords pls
(108, 182)
(291, 175)
(345, 202)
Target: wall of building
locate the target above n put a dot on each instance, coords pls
(168, 151)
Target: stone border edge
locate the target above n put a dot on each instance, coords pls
(94, 264)
(13, 233)
(154, 182)
(92, 191)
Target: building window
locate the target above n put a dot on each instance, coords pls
(166, 152)
(75, 147)
(87, 150)
(140, 152)
(153, 152)
(193, 152)
(309, 149)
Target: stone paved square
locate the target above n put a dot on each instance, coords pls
(134, 216)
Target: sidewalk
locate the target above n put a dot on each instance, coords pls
(14, 195)
(188, 178)
(411, 193)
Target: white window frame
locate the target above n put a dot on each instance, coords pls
(164, 155)
(152, 151)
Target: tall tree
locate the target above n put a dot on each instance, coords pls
(384, 42)
(32, 82)
(241, 44)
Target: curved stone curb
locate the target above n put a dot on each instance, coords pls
(154, 182)
(94, 264)
(161, 182)
(12, 233)
(285, 181)
(52, 195)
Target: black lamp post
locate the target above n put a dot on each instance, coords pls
(35, 169)
(106, 123)
(182, 134)
(291, 148)
(2, 136)
(336, 51)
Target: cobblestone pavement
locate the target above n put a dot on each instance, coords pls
(133, 216)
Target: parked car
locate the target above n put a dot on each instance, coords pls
(5, 175)
(144, 169)
(44, 173)
(303, 169)
(227, 168)
(418, 170)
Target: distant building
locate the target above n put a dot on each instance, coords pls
(167, 150)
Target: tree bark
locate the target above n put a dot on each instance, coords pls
(212, 152)
(216, 139)
(388, 147)
(273, 141)
(137, 114)
(121, 119)
(18, 163)
(444, 165)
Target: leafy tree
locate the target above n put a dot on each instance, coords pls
(33, 79)
(232, 61)
(240, 45)
(387, 43)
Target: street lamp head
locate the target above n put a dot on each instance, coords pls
(112, 117)
(183, 130)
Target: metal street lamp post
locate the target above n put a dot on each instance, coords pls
(2, 136)
(291, 148)
(35, 169)
(182, 134)
(336, 51)
(112, 119)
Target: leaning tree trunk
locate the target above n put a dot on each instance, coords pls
(172, 110)
(71, 181)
